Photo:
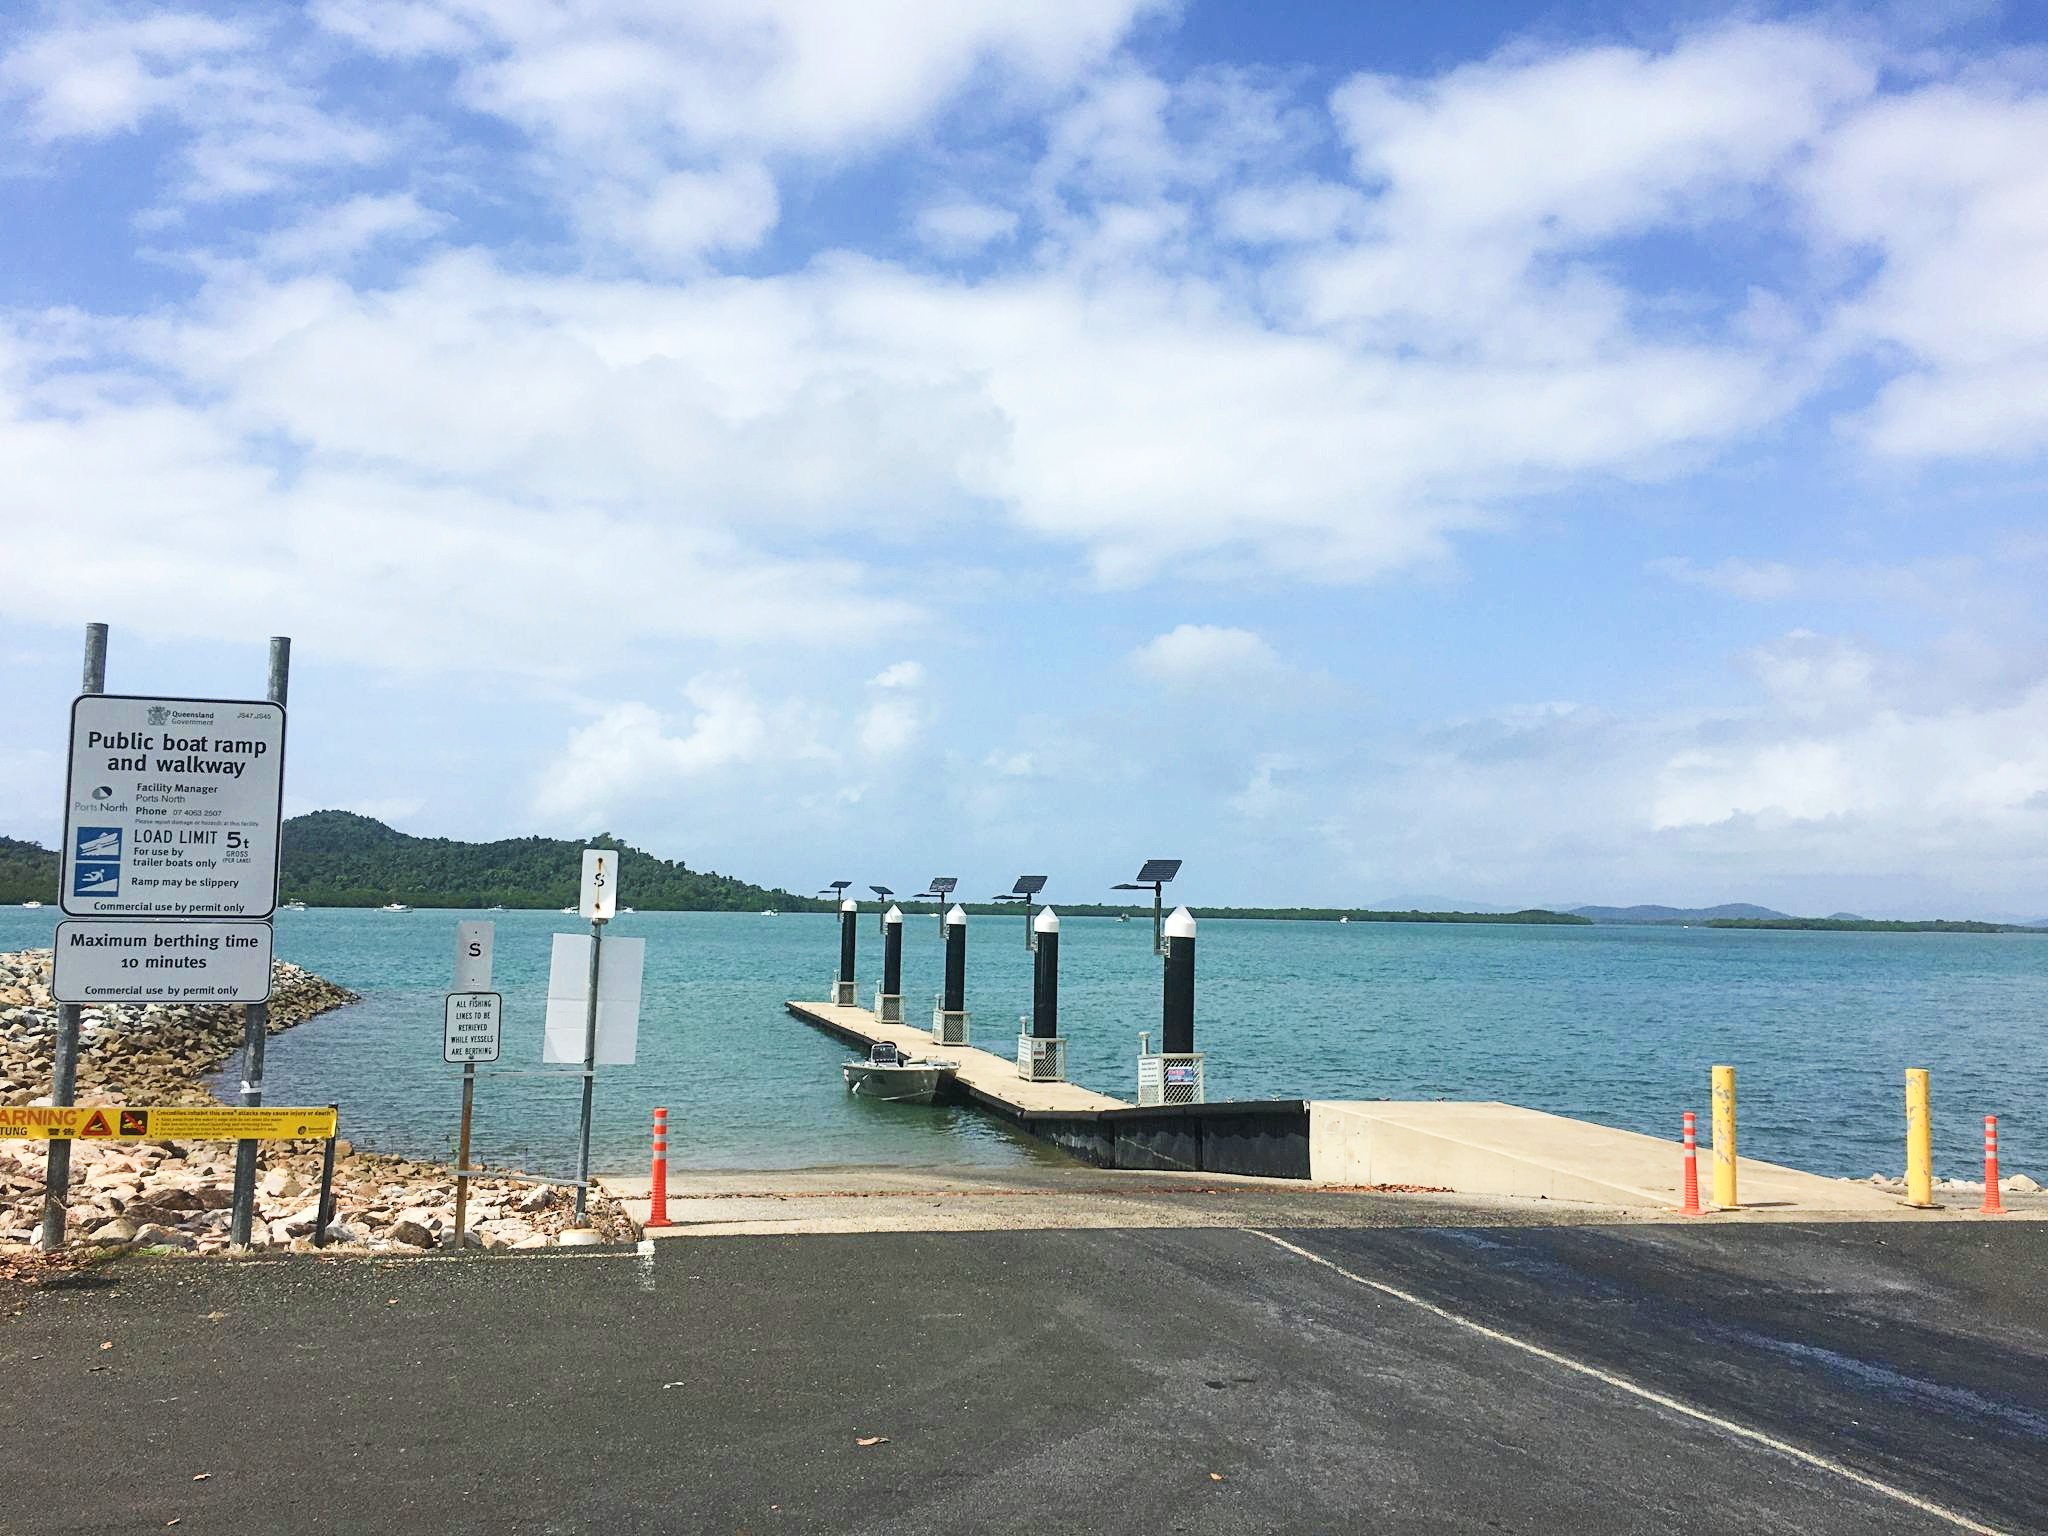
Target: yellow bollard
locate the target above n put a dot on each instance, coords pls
(1919, 1141)
(1724, 1137)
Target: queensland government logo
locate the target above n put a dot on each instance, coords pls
(159, 714)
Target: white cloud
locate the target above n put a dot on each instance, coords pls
(1849, 777)
(1755, 581)
(956, 228)
(628, 752)
(1205, 655)
(901, 674)
(1948, 185)
(1596, 141)
(335, 235)
(1012, 765)
(103, 77)
(248, 128)
(1295, 212)
(690, 213)
(674, 107)
(894, 719)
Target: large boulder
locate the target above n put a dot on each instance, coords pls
(154, 1236)
(416, 1227)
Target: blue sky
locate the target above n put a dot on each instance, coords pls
(1505, 453)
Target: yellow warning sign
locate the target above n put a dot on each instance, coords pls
(166, 1122)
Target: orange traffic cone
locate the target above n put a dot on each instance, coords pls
(1691, 1207)
(657, 1204)
(1992, 1205)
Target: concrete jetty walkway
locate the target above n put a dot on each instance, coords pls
(985, 1075)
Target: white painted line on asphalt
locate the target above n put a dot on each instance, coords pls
(1622, 1383)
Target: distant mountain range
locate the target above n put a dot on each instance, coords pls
(1655, 914)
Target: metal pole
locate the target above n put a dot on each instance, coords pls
(1919, 1141)
(324, 1212)
(1724, 1137)
(64, 1060)
(1158, 918)
(256, 1016)
(462, 1154)
(1177, 1020)
(589, 1073)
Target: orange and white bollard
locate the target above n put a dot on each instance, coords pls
(657, 1202)
(1691, 1207)
(1992, 1205)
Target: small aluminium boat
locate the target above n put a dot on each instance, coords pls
(891, 1076)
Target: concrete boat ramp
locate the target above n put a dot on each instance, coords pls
(1228, 1163)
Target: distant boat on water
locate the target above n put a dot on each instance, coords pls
(395, 906)
(32, 905)
(568, 911)
(770, 912)
(295, 906)
(496, 909)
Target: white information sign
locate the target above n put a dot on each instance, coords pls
(161, 962)
(171, 807)
(473, 956)
(600, 897)
(618, 1000)
(470, 1026)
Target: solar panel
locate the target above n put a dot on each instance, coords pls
(944, 884)
(1028, 885)
(837, 885)
(1158, 871)
(882, 891)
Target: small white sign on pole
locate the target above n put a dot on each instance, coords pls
(473, 956)
(161, 962)
(600, 899)
(470, 1026)
(618, 1000)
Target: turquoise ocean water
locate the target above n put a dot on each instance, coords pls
(1614, 1024)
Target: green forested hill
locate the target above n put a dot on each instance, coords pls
(340, 859)
(28, 872)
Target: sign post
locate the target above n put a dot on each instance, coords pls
(470, 1022)
(599, 900)
(167, 876)
(262, 820)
